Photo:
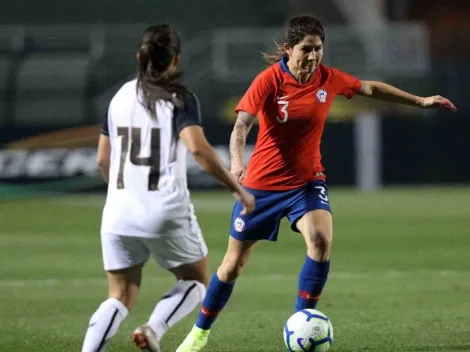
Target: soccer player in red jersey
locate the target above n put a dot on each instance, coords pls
(291, 100)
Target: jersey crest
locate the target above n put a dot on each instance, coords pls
(322, 95)
(239, 224)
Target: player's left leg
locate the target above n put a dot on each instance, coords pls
(182, 251)
(311, 216)
(123, 290)
(317, 229)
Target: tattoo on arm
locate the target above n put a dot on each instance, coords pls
(238, 138)
(246, 118)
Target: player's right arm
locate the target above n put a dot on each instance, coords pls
(238, 142)
(206, 156)
(252, 102)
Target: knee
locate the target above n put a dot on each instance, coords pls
(231, 268)
(320, 244)
(200, 277)
(197, 272)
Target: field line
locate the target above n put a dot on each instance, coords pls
(252, 277)
(200, 204)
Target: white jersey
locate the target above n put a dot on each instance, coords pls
(147, 175)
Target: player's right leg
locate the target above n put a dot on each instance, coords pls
(245, 231)
(218, 293)
(179, 301)
(123, 260)
(181, 249)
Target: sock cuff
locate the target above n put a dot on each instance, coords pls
(322, 266)
(199, 286)
(327, 262)
(202, 289)
(118, 305)
(314, 270)
(221, 283)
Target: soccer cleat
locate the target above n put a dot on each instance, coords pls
(195, 341)
(144, 338)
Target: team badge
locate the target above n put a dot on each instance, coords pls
(322, 95)
(239, 225)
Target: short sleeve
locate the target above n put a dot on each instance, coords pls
(255, 97)
(189, 115)
(105, 126)
(345, 84)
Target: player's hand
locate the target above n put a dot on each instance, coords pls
(437, 101)
(238, 172)
(247, 200)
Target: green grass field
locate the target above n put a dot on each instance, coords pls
(400, 278)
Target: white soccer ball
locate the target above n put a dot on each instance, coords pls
(308, 330)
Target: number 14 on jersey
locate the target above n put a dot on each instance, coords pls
(153, 161)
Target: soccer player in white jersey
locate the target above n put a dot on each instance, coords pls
(151, 123)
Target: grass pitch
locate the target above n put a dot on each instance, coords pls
(400, 275)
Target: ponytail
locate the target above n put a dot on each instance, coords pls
(155, 80)
(276, 56)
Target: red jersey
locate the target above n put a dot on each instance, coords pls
(291, 120)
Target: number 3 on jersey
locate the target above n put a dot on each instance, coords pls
(284, 114)
(153, 161)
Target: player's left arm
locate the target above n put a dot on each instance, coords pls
(387, 92)
(103, 155)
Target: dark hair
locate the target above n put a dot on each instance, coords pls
(160, 44)
(297, 28)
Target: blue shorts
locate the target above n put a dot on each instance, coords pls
(272, 206)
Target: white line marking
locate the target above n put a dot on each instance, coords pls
(200, 204)
(257, 277)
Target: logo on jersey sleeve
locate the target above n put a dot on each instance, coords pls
(239, 225)
(322, 95)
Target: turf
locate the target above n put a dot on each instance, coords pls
(400, 278)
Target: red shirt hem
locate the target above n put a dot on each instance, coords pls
(262, 187)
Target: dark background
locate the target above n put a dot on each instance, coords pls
(61, 62)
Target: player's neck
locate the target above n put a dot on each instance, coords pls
(303, 78)
(300, 77)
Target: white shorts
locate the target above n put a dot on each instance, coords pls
(121, 252)
(165, 228)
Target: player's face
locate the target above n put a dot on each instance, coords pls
(306, 55)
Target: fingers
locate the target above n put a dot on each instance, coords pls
(248, 207)
(235, 174)
(241, 177)
(449, 105)
(442, 102)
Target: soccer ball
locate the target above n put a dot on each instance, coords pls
(308, 330)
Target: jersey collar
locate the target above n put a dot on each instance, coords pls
(285, 68)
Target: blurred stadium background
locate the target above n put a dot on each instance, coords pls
(400, 277)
